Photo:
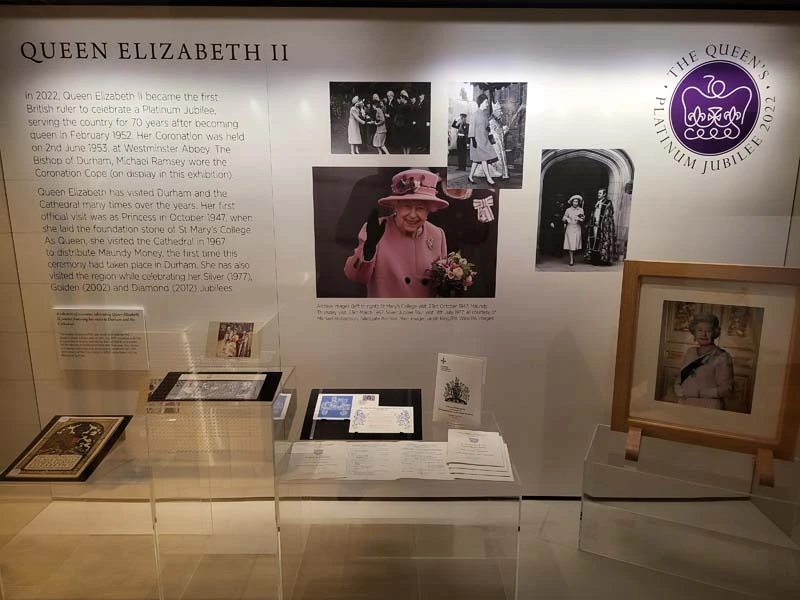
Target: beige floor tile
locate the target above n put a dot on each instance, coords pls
(370, 541)
(449, 541)
(467, 571)
(362, 562)
(30, 561)
(561, 524)
(264, 582)
(16, 514)
(557, 572)
(381, 541)
(389, 579)
(316, 580)
(107, 567)
(176, 571)
(356, 578)
(219, 578)
(465, 579)
(323, 540)
(183, 544)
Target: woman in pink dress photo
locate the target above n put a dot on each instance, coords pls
(395, 253)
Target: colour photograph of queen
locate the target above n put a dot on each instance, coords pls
(708, 355)
(401, 233)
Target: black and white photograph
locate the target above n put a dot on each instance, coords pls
(380, 117)
(69, 448)
(486, 135)
(234, 340)
(394, 232)
(708, 355)
(585, 210)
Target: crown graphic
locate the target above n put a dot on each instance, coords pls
(714, 114)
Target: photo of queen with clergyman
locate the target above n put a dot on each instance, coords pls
(694, 367)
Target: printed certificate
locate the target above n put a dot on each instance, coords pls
(69, 448)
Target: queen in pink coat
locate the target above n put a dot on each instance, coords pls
(394, 253)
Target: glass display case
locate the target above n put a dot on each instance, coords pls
(693, 512)
(91, 539)
(213, 493)
(403, 538)
(187, 190)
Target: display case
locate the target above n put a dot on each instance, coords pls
(54, 534)
(213, 493)
(241, 188)
(693, 511)
(404, 538)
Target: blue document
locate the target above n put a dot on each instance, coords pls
(333, 406)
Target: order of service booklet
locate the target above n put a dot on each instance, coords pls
(459, 389)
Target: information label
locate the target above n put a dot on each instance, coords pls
(101, 339)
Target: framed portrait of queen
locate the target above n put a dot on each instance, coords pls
(708, 354)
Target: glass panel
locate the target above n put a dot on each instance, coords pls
(54, 534)
(407, 537)
(214, 497)
(688, 511)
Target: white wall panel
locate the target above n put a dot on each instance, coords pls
(592, 83)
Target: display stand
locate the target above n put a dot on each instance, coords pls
(49, 531)
(213, 496)
(694, 512)
(405, 538)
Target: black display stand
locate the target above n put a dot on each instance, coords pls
(323, 429)
(267, 393)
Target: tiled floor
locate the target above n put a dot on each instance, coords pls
(430, 559)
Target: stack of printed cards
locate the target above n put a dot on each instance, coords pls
(481, 455)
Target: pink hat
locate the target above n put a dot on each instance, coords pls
(415, 184)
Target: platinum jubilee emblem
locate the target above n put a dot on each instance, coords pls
(716, 108)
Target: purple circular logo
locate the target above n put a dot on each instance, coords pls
(714, 107)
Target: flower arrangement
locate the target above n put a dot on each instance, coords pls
(452, 275)
(405, 185)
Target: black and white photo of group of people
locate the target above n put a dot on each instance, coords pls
(380, 117)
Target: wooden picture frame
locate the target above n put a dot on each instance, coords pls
(778, 426)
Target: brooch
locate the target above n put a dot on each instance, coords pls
(429, 243)
(484, 208)
(406, 185)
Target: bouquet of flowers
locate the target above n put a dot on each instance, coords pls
(453, 275)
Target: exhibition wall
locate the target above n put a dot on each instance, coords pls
(18, 400)
(196, 168)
